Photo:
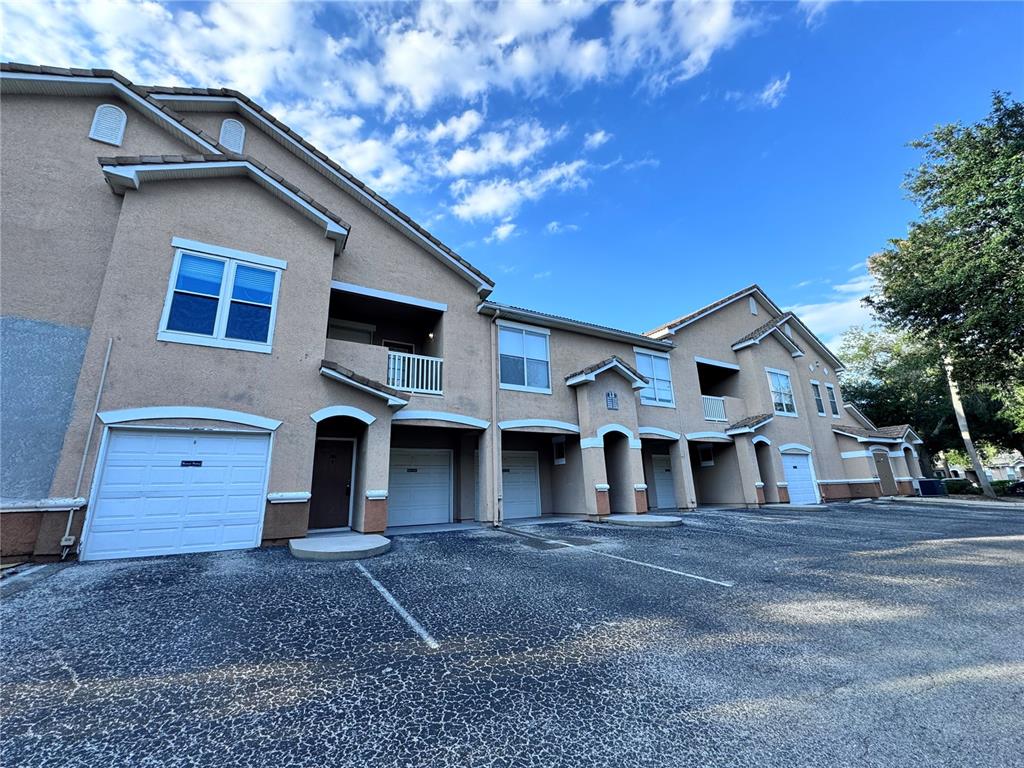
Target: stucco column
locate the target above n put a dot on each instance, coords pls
(682, 475)
(749, 475)
(595, 478)
(371, 508)
(636, 471)
(488, 457)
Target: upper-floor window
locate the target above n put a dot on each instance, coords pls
(655, 368)
(523, 357)
(832, 402)
(222, 298)
(782, 392)
(232, 135)
(818, 402)
(108, 124)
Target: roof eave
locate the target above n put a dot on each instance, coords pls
(491, 308)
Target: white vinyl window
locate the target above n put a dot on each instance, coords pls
(782, 392)
(833, 404)
(523, 359)
(214, 300)
(558, 449)
(232, 135)
(655, 368)
(108, 124)
(818, 402)
(706, 455)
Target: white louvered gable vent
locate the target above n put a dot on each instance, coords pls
(108, 124)
(232, 135)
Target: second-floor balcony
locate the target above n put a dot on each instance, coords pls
(419, 374)
(388, 337)
(714, 408)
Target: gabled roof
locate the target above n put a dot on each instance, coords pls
(749, 424)
(894, 434)
(291, 139)
(153, 102)
(508, 312)
(613, 363)
(340, 373)
(681, 322)
(859, 416)
(777, 327)
(128, 172)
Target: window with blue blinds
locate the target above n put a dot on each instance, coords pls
(223, 302)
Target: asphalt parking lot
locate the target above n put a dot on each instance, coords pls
(867, 635)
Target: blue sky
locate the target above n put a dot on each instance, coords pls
(616, 163)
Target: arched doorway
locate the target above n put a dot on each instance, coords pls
(616, 464)
(766, 469)
(334, 486)
(883, 468)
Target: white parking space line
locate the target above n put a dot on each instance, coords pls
(590, 551)
(416, 626)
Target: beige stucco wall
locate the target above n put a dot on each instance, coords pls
(58, 214)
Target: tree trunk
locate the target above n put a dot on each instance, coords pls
(965, 432)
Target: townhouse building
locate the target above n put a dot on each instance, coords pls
(214, 336)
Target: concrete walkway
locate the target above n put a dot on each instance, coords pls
(645, 521)
(339, 546)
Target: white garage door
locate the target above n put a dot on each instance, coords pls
(797, 467)
(520, 484)
(664, 488)
(163, 493)
(420, 487)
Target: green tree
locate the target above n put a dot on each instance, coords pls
(956, 280)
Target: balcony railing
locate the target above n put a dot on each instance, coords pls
(714, 408)
(415, 373)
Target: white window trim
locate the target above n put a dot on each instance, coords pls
(818, 398)
(706, 462)
(223, 303)
(120, 133)
(671, 386)
(228, 253)
(833, 401)
(533, 329)
(792, 392)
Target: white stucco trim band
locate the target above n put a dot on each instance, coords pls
(705, 435)
(376, 293)
(342, 410)
(548, 423)
(289, 497)
(122, 177)
(376, 494)
(617, 366)
(659, 432)
(795, 448)
(187, 412)
(454, 418)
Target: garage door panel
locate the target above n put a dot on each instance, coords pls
(419, 487)
(520, 484)
(148, 504)
(799, 480)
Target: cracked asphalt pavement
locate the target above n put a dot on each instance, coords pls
(857, 635)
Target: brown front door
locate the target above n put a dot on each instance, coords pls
(332, 484)
(885, 475)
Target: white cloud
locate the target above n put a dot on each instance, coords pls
(814, 11)
(502, 232)
(596, 139)
(774, 92)
(839, 309)
(512, 147)
(557, 228)
(542, 275)
(499, 198)
(458, 128)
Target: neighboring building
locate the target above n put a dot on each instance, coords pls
(214, 336)
(1004, 466)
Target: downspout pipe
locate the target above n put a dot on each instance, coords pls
(66, 548)
(495, 457)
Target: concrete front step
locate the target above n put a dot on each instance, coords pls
(339, 546)
(645, 521)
